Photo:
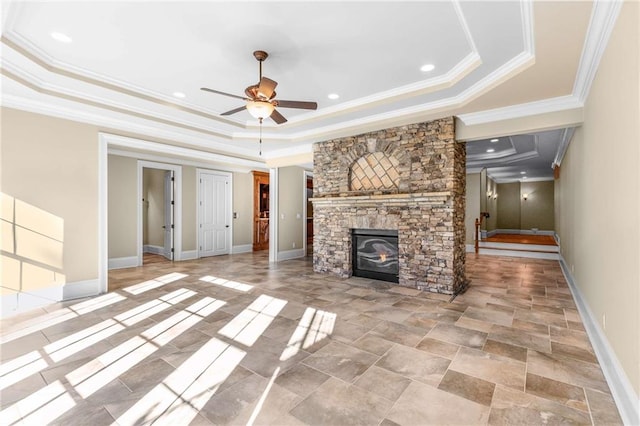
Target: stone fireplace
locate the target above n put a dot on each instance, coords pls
(409, 180)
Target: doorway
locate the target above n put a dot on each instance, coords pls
(308, 213)
(260, 211)
(159, 212)
(214, 213)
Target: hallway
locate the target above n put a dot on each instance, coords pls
(236, 340)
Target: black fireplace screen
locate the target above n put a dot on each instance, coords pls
(375, 254)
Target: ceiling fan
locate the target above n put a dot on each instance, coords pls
(261, 102)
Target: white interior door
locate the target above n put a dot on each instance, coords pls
(215, 214)
(168, 214)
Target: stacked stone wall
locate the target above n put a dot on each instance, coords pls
(425, 204)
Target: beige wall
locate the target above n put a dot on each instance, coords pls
(290, 198)
(122, 178)
(153, 195)
(508, 206)
(189, 208)
(516, 213)
(598, 196)
(537, 211)
(49, 170)
(472, 206)
(243, 206)
(492, 206)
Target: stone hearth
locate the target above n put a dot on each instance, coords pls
(410, 179)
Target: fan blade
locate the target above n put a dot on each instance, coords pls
(223, 93)
(277, 117)
(297, 104)
(233, 111)
(266, 87)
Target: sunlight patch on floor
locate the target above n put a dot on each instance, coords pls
(41, 407)
(314, 326)
(154, 283)
(179, 398)
(20, 368)
(227, 283)
(100, 371)
(74, 343)
(62, 315)
(249, 324)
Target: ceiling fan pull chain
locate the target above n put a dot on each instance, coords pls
(260, 137)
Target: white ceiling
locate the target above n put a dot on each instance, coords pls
(127, 58)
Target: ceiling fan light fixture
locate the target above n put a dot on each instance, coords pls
(260, 109)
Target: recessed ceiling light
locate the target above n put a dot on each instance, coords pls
(523, 173)
(179, 95)
(63, 38)
(524, 177)
(333, 96)
(427, 67)
(491, 150)
(494, 140)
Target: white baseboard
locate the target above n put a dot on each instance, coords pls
(290, 254)
(149, 248)
(18, 302)
(519, 253)
(244, 248)
(490, 233)
(521, 232)
(189, 255)
(623, 393)
(519, 246)
(123, 262)
(81, 289)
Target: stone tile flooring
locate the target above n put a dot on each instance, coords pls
(235, 340)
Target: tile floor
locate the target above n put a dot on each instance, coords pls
(235, 340)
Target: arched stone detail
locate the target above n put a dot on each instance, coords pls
(375, 171)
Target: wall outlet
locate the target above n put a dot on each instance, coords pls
(281, 216)
(235, 215)
(604, 322)
(293, 245)
(572, 268)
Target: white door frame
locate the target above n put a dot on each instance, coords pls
(177, 207)
(305, 176)
(229, 175)
(274, 214)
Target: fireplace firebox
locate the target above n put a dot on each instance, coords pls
(375, 254)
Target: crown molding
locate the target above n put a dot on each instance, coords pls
(603, 19)
(36, 55)
(73, 114)
(567, 135)
(544, 106)
(17, 74)
(121, 144)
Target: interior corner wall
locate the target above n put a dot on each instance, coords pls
(48, 167)
(472, 206)
(598, 196)
(121, 212)
(189, 209)
(537, 210)
(492, 205)
(290, 202)
(508, 208)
